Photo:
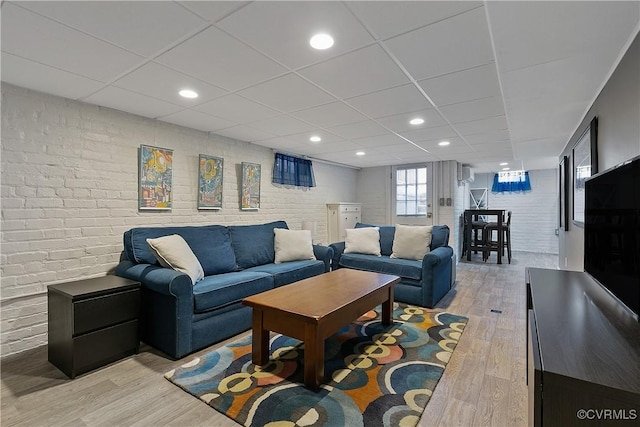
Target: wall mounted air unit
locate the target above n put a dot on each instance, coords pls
(466, 174)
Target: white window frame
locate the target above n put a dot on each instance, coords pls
(416, 183)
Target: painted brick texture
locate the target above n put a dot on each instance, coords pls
(69, 192)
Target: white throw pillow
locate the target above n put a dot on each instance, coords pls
(173, 252)
(292, 245)
(411, 241)
(364, 240)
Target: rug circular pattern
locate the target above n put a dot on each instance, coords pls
(374, 374)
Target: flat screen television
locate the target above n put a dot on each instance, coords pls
(612, 231)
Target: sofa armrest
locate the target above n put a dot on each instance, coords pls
(436, 256)
(338, 250)
(158, 279)
(324, 254)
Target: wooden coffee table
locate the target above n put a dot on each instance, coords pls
(313, 309)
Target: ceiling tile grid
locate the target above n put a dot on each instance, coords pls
(499, 80)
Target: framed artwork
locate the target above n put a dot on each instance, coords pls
(155, 191)
(250, 198)
(585, 164)
(210, 174)
(563, 212)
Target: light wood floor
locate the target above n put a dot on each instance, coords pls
(484, 383)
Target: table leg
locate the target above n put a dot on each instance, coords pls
(500, 241)
(387, 309)
(313, 357)
(260, 339)
(467, 230)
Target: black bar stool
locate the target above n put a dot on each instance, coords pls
(490, 244)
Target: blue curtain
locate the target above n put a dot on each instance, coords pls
(290, 170)
(519, 185)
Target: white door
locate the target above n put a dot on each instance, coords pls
(412, 194)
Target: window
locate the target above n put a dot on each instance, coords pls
(511, 181)
(289, 170)
(411, 191)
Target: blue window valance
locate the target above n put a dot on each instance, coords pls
(290, 170)
(512, 181)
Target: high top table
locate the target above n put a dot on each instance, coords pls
(313, 309)
(469, 214)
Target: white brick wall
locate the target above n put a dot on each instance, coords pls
(69, 192)
(534, 214)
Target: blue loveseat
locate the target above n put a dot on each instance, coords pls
(422, 283)
(179, 317)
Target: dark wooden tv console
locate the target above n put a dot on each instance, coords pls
(583, 352)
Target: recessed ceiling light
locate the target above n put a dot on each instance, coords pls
(416, 121)
(315, 138)
(506, 169)
(188, 93)
(504, 164)
(321, 41)
(360, 153)
(443, 143)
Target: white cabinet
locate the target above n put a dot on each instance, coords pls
(341, 216)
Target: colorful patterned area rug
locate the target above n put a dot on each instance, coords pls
(375, 375)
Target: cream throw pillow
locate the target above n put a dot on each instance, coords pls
(292, 245)
(364, 240)
(173, 252)
(411, 241)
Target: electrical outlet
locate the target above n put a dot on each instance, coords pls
(441, 201)
(448, 201)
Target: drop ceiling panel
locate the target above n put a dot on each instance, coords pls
(343, 76)
(217, 58)
(328, 115)
(213, 11)
(458, 43)
(283, 125)
(197, 120)
(400, 122)
(282, 29)
(327, 138)
(380, 141)
(143, 27)
(482, 126)
(487, 137)
(401, 99)
(455, 143)
(390, 18)
(132, 102)
(236, 109)
(428, 134)
(33, 37)
(314, 149)
(161, 82)
(474, 83)
(23, 72)
(288, 93)
(358, 129)
(473, 110)
(521, 41)
(245, 133)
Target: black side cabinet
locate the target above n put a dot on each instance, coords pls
(92, 323)
(583, 353)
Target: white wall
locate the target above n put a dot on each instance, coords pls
(69, 191)
(534, 214)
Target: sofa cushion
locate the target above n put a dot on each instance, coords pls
(412, 241)
(290, 272)
(292, 245)
(439, 236)
(173, 252)
(387, 233)
(362, 241)
(254, 244)
(404, 268)
(227, 288)
(211, 244)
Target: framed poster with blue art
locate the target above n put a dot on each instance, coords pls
(210, 182)
(156, 178)
(250, 199)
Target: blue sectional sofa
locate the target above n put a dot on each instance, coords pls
(422, 283)
(179, 317)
